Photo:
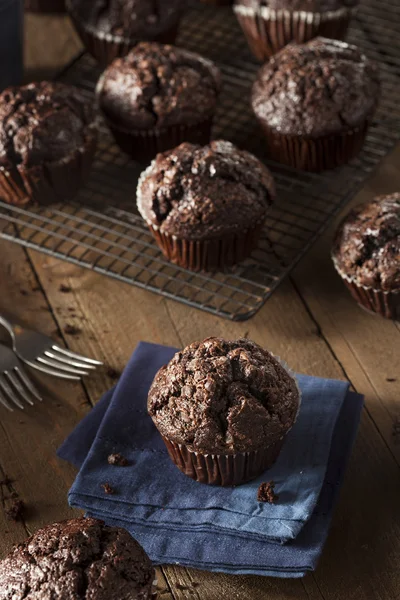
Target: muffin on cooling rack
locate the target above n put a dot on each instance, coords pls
(47, 142)
(205, 206)
(271, 24)
(234, 407)
(80, 559)
(157, 97)
(366, 254)
(315, 102)
(45, 6)
(111, 29)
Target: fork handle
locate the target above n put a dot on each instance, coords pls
(8, 325)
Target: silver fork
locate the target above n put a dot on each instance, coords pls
(15, 386)
(41, 353)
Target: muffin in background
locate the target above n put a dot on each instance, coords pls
(48, 140)
(366, 254)
(223, 409)
(205, 206)
(269, 25)
(45, 6)
(157, 97)
(111, 29)
(315, 102)
(80, 559)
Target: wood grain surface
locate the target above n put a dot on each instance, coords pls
(310, 321)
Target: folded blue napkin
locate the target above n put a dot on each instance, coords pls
(178, 520)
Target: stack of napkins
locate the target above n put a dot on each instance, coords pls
(180, 521)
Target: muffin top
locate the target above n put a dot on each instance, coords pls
(159, 85)
(317, 88)
(196, 192)
(42, 122)
(80, 559)
(129, 18)
(220, 396)
(367, 244)
(295, 5)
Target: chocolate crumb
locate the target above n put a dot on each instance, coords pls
(266, 492)
(72, 330)
(65, 289)
(391, 379)
(113, 373)
(107, 488)
(118, 460)
(23, 292)
(16, 510)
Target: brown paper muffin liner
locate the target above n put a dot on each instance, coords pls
(223, 469)
(268, 30)
(315, 154)
(214, 254)
(105, 47)
(384, 303)
(50, 182)
(45, 6)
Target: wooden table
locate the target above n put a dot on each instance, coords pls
(310, 321)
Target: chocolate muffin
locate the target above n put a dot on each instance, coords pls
(314, 103)
(111, 28)
(45, 6)
(223, 409)
(47, 142)
(80, 559)
(157, 97)
(269, 25)
(205, 206)
(366, 254)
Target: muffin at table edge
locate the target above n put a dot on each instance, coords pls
(366, 254)
(315, 102)
(79, 558)
(157, 97)
(48, 140)
(205, 206)
(223, 409)
(269, 25)
(112, 32)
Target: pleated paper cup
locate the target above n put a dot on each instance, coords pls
(268, 30)
(380, 302)
(45, 6)
(105, 47)
(50, 182)
(314, 154)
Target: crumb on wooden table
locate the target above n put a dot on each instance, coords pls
(391, 379)
(107, 488)
(266, 492)
(16, 510)
(65, 289)
(113, 373)
(117, 460)
(72, 330)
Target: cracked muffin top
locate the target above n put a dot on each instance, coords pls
(77, 559)
(367, 244)
(159, 85)
(296, 5)
(315, 89)
(129, 18)
(220, 396)
(42, 122)
(195, 192)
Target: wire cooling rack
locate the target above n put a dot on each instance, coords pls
(101, 229)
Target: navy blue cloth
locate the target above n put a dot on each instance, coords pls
(11, 32)
(181, 521)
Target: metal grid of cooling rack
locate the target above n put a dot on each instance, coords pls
(101, 229)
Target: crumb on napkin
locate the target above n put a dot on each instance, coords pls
(266, 492)
(118, 460)
(107, 488)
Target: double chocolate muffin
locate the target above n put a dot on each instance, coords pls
(157, 97)
(366, 254)
(314, 103)
(111, 28)
(80, 559)
(269, 25)
(47, 142)
(223, 409)
(205, 206)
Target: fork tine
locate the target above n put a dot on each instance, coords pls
(55, 373)
(28, 383)
(60, 367)
(66, 361)
(91, 361)
(18, 387)
(4, 402)
(8, 393)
